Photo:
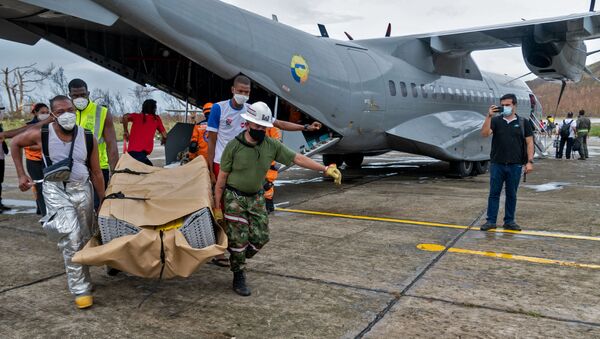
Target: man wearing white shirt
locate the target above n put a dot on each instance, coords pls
(566, 138)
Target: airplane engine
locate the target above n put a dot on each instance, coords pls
(563, 60)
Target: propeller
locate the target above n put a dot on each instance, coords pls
(349, 36)
(388, 31)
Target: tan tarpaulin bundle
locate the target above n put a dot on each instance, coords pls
(173, 194)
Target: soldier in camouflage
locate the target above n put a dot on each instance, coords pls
(244, 164)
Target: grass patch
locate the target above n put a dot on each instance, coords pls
(595, 131)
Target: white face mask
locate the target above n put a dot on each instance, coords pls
(42, 117)
(80, 103)
(240, 98)
(67, 120)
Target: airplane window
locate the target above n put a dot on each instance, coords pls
(392, 88)
(478, 96)
(403, 89)
(423, 91)
(413, 88)
(458, 94)
(450, 93)
(433, 92)
(473, 98)
(466, 94)
(442, 93)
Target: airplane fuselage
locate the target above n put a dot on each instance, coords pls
(375, 101)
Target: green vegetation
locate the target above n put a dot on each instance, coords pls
(594, 132)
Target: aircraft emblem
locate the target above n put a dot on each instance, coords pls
(299, 69)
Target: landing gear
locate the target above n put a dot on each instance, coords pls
(480, 167)
(461, 168)
(336, 159)
(354, 160)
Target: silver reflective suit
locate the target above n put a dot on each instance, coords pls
(69, 221)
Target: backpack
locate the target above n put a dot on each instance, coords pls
(565, 129)
(89, 144)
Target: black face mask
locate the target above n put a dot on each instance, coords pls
(257, 134)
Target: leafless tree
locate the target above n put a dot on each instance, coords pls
(138, 95)
(20, 81)
(59, 84)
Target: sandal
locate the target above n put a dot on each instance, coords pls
(221, 262)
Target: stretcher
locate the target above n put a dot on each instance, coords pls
(156, 222)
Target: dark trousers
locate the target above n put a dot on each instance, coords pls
(583, 149)
(35, 168)
(141, 157)
(106, 175)
(508, 176)
(561, 147)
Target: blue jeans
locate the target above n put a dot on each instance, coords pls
(509, 176)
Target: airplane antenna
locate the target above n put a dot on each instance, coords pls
(592, 5)
(388, 31)
(323, 31)
(349, 36)
(517, 78)
(274, 17)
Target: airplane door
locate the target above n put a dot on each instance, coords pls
(369, 94)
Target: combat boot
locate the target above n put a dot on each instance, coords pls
(239, 284)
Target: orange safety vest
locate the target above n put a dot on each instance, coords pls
(200, 135)
(275, 133)
(33, 154)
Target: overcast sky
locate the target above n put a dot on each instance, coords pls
(362, 19)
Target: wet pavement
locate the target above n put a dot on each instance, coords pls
(349, 261)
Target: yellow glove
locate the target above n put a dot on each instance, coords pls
(335, 173)
(218, 214)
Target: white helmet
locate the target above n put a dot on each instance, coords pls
(259, 113)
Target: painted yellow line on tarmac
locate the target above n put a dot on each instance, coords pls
(436, 224)
(507, 256)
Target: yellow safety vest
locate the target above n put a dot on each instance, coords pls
(92, 118)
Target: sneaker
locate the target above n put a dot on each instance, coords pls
(487, 226)
(239, 284)
(512, 227)
(84, 301)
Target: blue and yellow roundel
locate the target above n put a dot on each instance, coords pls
(299, 69)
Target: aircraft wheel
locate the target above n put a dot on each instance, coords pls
(462, 168)
(354, 160)
(481, 167)
(336, 159)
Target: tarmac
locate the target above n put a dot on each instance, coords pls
(395, 252)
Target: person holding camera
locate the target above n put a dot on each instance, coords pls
(71, 168)
(512, 147)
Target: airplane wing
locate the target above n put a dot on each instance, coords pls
(572, 27)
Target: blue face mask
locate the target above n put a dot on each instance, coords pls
(507, 110)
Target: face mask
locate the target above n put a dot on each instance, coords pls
(42, 117)
(80, 103)
(257, 135)
(67, 120)
(507, 110)
(240, 98)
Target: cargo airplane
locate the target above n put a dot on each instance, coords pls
(421, 94)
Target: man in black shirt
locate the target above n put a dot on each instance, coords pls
(512, 146)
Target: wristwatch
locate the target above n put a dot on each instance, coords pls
(305, 127)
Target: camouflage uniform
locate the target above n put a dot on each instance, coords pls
(247, 226)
